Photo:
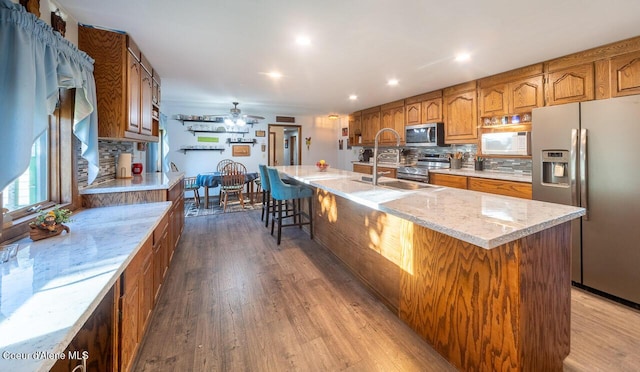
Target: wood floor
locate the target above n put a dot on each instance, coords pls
(235, 301)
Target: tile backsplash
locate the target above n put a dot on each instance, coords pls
(108, 151)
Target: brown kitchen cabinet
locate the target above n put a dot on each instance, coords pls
(355, 128)
(370, 124)
(161, 248)
(625, 74)
(424, 108)
(392, 117)
(135, 304)
(368, 169)
(572, 84)
(501, 187)
(494, 100)
(449, 180)
(461, 113)
(124, 85)
(516, 97)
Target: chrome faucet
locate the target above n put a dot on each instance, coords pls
(375, 152)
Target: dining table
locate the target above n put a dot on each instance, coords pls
(214, 179)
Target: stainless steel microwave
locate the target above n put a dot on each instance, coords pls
(506, 143)
(424, 134)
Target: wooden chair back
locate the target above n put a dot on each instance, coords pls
(223, 163)
(233, 175)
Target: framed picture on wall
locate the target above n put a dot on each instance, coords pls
(241, 150)
(286, 144)
(260, 133)
(345, 132)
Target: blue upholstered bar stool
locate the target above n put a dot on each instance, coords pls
(281, 192)
(266, 193)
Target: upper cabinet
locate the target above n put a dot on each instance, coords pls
(573, 84)
(425, 108)
(355, 128)
(370, 124)
(526, 94)
(625, 74)
(124, 86)
(461, 113)
(392, 116)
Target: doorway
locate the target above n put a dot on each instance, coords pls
(284, 144)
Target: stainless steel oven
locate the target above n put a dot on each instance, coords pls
(420, 171)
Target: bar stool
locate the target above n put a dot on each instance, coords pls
(266, 194)
(281, 192)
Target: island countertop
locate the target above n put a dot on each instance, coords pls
(142, 182)
(486, 220)
(53, 285)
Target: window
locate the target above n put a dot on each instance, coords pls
(32, 187)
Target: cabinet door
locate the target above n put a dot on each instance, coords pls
(625, 75)
(133, 88)
(508, 188)
(146, 292)
(146, 108)
(525, 95)
(366, 169)
(459, 182)
(413, 113)
(355, 127)
(461, 118)
(392, 119)
(494, 101)
(574, 84)
(432, 111)
(370, 127)
(129, 303)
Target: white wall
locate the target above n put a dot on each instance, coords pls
(323, 133)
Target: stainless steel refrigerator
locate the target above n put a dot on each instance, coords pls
(588, 154)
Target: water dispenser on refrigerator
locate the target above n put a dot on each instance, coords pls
(555, 168)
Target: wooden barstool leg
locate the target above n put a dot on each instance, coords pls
(279, 220)
(311, 218)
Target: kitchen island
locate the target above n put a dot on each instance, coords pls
(483, 278)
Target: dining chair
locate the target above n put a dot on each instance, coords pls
(191, 185)
(282, 192)
(233, 176)
(221, 164)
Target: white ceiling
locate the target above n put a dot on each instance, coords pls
(218, 51)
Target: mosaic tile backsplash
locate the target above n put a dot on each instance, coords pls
(109, 151)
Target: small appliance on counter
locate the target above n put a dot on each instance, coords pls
(136, 168)
(365, 155)
(123, 169)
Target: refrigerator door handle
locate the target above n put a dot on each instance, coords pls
(573, 167)
(584, 196)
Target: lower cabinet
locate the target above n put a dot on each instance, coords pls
(368, 169)
(492, 186)
(459, 182)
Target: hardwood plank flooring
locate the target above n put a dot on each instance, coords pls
(236, 301)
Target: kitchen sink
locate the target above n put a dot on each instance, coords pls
(395, 184)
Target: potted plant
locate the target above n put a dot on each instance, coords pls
(50, 223)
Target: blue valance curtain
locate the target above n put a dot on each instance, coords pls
(34, 63)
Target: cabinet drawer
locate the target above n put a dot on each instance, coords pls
(507, 188)
(448, 180)
(366, 169)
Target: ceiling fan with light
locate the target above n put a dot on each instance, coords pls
(235, 117)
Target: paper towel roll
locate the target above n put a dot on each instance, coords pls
(123, 169)
(558, 170)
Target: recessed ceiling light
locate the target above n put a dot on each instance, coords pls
(353, 97)
(274, 75)
(463, 57)
(392, 82)
(303, 40)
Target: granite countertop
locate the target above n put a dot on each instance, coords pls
(52, 286)
(144, 181)
(483, 219)
(517, 177)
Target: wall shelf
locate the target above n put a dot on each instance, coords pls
(209, 119)
(241, 141)
(184, 149)
(194, 131)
